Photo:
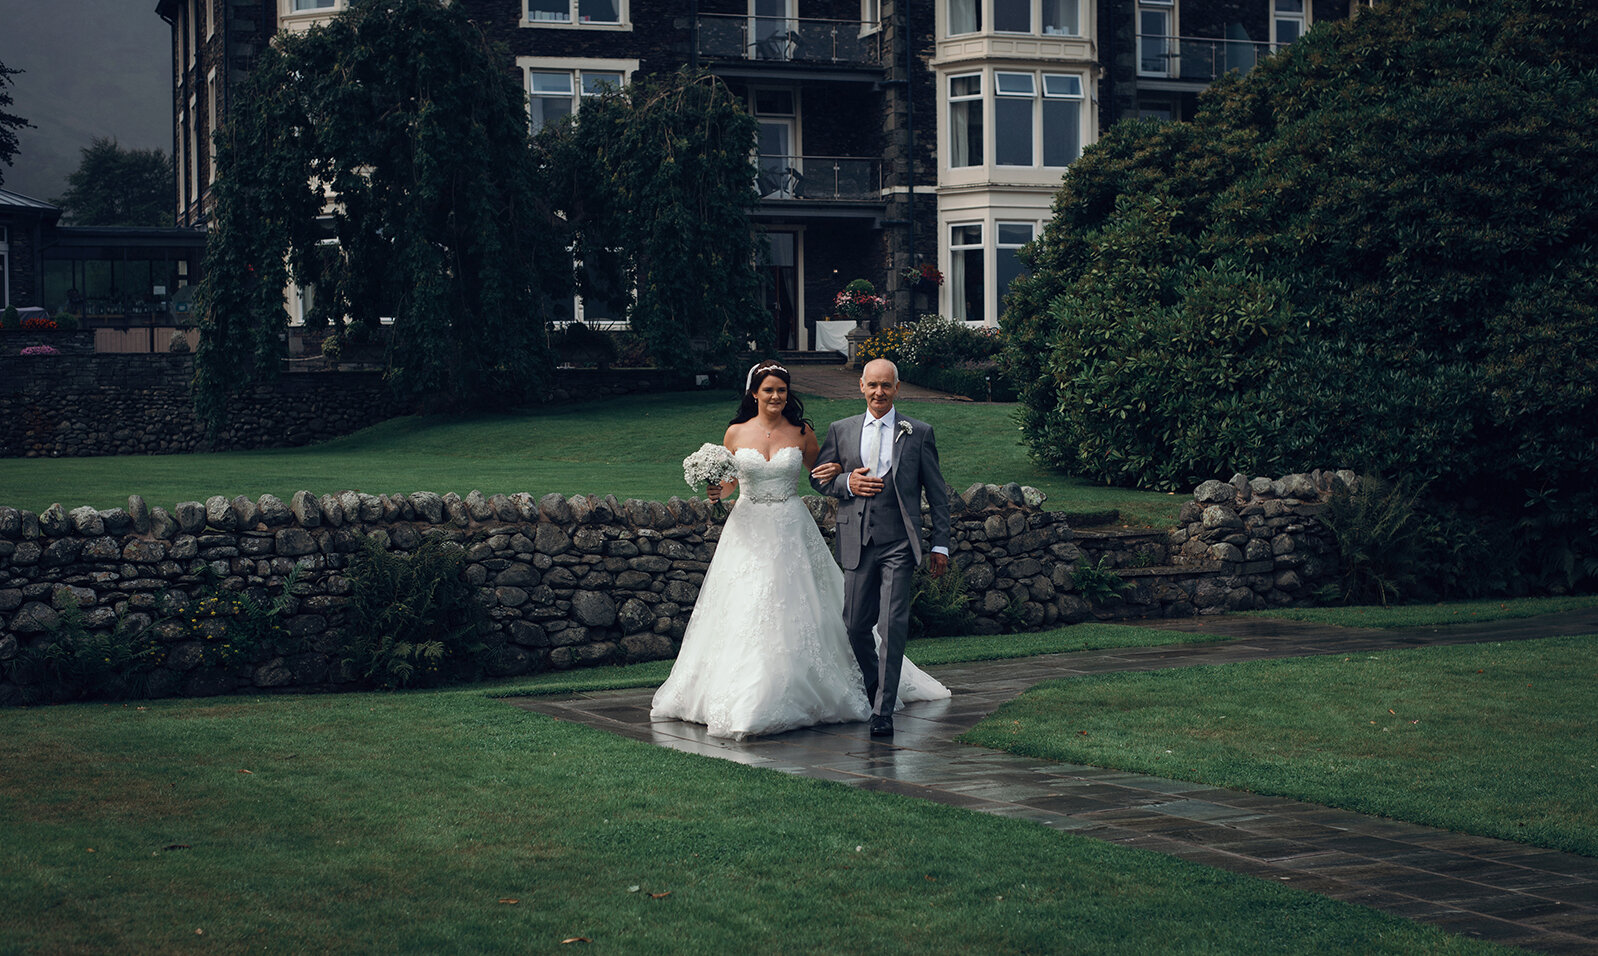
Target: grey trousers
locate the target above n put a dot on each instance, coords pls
(877, 593)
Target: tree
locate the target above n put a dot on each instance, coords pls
(655, 184)
(113, 186)
(10, 123)
(1375, 251)
(395, 132)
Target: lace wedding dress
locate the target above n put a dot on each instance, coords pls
(765, 650)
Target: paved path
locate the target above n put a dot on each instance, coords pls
(1488, 889)
(841, 381)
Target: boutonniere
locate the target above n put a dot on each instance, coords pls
(905, 428)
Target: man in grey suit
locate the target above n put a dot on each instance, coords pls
(887, 461)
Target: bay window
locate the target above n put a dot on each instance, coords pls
(1037, 119)
(1033, 17)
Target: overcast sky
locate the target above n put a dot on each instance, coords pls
(94, 68)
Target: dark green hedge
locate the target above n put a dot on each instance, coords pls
(1374, 251)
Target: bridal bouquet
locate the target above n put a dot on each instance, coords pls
(711, 464)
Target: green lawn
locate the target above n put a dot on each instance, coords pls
(1431, 615)
(1493, 739)
(448, 822)
(630, 447)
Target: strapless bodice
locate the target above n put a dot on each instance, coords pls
(764, 481)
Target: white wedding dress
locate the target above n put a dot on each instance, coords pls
(765, 650)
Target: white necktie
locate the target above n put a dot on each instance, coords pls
(871, 447)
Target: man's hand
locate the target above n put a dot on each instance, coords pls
(862, 484)
(937, 563)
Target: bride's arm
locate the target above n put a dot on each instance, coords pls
(729, 441)
(824, 473)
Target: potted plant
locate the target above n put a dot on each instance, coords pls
(859, 301)
(924, 277)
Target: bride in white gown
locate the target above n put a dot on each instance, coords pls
(765, 650)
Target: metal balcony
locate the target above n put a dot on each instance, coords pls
(1197, 59)
(789, 40)
(825, 178)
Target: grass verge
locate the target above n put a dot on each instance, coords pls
(1492, 739)
(446, 822)
(628, 447)
(925, 652)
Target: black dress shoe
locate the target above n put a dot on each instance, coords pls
(881, 726)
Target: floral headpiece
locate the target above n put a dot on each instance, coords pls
(749, 380)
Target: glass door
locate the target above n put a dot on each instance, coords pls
(773, 34)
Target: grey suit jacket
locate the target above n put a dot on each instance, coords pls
(915, 469)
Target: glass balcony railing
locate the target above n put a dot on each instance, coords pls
(1197, 59)
(832, 178)
(789, 40)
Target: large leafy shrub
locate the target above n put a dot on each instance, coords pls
(1373, 251)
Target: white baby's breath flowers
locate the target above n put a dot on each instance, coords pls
(711, 464)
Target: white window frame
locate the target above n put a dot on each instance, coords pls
(1003, 249)
(193, 164)
(991, 248)
(1079, 96)
(1014, 95)
(1033, 27)
(574, 19)
(191, 12)
(976, 6)
(956, 274)
(297, 15)
(986, 12)
(1301, 17)
(210, 130)
(576, 69)
(1167, 9)
(979, 98)
(1042, 86)
(1079, 25)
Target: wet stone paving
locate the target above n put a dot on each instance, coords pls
(1509, 893)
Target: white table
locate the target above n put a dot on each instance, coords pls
(833, 336)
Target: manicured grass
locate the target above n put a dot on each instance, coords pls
(631, 447)
(1430, 615)
(1493, 739)
(447, 822)
(925, 651)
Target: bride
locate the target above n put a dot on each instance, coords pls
(765, 649)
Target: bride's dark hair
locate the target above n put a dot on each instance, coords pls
(794, 411)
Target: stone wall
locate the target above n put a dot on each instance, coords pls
(76, 406)
(583, 580)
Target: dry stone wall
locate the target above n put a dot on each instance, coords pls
(568, 581)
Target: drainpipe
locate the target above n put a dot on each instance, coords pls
(693, 35)
(909, 122)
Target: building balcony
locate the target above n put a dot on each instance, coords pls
(1195, 61)
(792, 40)
(841, 179)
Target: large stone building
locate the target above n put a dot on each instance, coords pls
(893, 133)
